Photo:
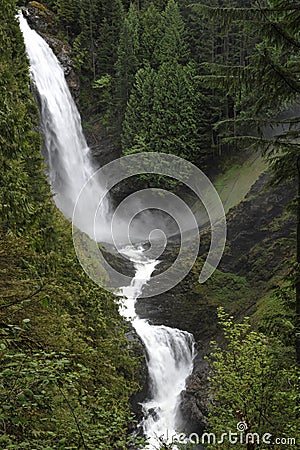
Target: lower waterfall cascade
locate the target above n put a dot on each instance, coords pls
(170, 351)
(170, 357)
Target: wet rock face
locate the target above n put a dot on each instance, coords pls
(63, 53)
(194, 399)
(260, 235)
(39, 17)
(137, 346)
(259, 239)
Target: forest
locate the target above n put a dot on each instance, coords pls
(213, 82)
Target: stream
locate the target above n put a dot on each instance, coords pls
(170, 351)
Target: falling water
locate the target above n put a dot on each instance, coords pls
(170, 351)
(170, 358)
(68, 158)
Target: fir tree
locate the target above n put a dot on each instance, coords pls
(128, 59)
(173, 44)
(175, 128)
(136, 135)
(151, 35)
(268, 82)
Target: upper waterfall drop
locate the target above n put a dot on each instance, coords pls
(68, 157)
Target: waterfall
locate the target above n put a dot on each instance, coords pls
(169, 351)
(68, 158)
(170, 358)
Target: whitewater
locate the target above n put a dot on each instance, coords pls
(170, 351)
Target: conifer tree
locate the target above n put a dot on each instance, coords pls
(24, 196)
(166, 110)
(151, 35)
(173, 44)
(249, 384)
(268, 82)
(109, 22)
(128, 59)
(175, 127)
(136, 134)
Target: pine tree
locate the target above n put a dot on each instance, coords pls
(109, 23)
(250, 384)
(267, 83)
(24, 195)
(166, 110)
(63, 380)
(69, 16)
(175, 127)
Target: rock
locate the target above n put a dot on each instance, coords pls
(101, 144)
(136, 344)
(260, 238)
(256, 246)
(39, 17)
(194, 399)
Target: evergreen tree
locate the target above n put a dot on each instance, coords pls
(128, 59)
(136, 135)
(165, 112)
(109, 24)
(249, 384)
(173, 44)
(84, 45)
(69, 15)
(151, 35)
(66, 375)
(267, 83)
(24, 196)
(175, 127)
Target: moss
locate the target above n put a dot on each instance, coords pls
(42, 8)
(280, 221)
(225, 289)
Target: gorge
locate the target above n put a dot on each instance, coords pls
(92, 360)
(169, 351)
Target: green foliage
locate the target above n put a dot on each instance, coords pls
(23, 192)
(65, 376)
(273, 65)
(175, 106)
(248, 383)
(165, 110)
(275, 315)
(128, 59)
(266, 83)
(139, 113)
(151, 35)
(173, 44)
(66, 370)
